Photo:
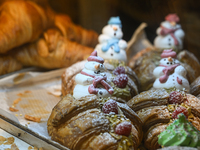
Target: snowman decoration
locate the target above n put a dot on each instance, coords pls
(92, 79)
(170, 34)
(170, 74)
(111, 45)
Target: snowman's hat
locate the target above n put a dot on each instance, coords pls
(168, 53)
(172, 18)
(115, 20)
(94, 57)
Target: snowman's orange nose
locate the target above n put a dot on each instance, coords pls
(170, 59)
(115, 28)
(97, 66)
(173, 23)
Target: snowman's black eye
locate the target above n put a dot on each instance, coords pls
(168, 63)
(171, 63)
(97, 72)
(100, 92)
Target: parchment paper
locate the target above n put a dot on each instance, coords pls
(36, 92)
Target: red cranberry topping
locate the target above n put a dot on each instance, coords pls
(110, 106)
(121, 80)
(175, 97)
(178, 111)
(119, 70)
(123, 128)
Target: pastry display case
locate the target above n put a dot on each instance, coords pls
(104, 74)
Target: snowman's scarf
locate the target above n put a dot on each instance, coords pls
(111, 42)
(167, 71)
(98, 80)
(166, 31)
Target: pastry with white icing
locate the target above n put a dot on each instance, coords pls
(169, 73)
(170, 34)
(96, 117)
(111, 45)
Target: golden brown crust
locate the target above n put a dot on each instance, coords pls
(195, 87)
(74, 32)
(52, 51)
(143, 64)
(22, 25)
(149, 98)
(80, 123)
(8, 64)
(151, 138)
(194, 103)
(155, 115)
(187, 58)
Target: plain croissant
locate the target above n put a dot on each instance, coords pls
(51, 51)
(8, 64)
(22, 22)
(75, 32)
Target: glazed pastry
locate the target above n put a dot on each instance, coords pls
(156, 112)
(20, 26)
(158, 107)
(111, 45)
(144, 62)
(123, 73)
(170, 34)
(93, 117)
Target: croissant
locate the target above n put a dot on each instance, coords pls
(80, 124)
(8, 64)
(51, 50)
(145, 61)
(74, 32)
(20, 26)
(154, 110)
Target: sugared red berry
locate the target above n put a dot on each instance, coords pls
(119, 70)
(123, 128)
(110, 106)
(121, 80)
(176, 97)
(178, 111)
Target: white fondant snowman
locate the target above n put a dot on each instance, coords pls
(170, 74)
(170, 34)
(92, 80)
(111, 45)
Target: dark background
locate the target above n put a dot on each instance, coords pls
(94, 14)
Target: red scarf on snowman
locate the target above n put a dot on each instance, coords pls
(165, 31)
(168, 69)
(97, 79)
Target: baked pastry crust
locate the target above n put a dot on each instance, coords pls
(155, 115)
(80, 124)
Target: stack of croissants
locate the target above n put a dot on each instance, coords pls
(35, 35)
